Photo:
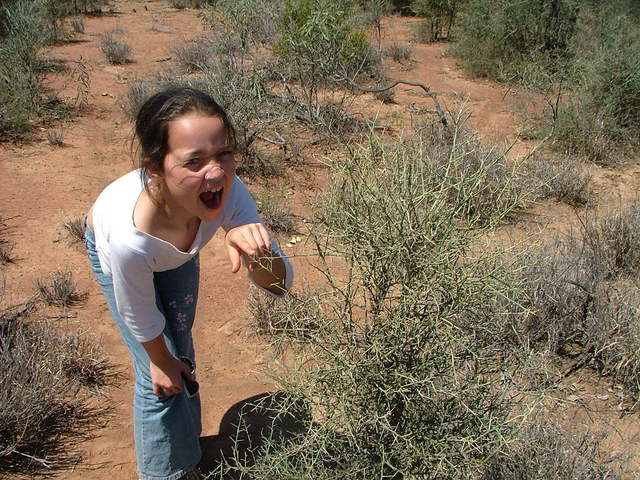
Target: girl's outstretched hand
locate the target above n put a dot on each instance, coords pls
(251, 239)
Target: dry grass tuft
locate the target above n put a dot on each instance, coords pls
(56, 137)
(59, 289)
(75, 228)
(116, 51)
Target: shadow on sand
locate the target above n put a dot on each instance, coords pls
(246, 424)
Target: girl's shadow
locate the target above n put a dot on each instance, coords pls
(273, 415)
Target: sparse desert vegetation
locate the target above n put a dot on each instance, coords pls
(459, 282)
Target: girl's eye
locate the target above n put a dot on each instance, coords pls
(193, 162)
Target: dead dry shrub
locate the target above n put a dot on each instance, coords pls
(399, 53)
(565, 179)
(614, 239)
(582, 298)
(545, 451)
(82, 360)
(332, 120)
(59, 289)
(559, 280)
(5, 253)
(137, 93)
(295, 316)
(197, 54)
(462, 165)
(44, 411)
(77, 25)
(276, 214)
(115, 50)
(5, 245)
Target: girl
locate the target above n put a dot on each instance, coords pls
(143, 236)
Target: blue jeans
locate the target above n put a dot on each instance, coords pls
(166, 429)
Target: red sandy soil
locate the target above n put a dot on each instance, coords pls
(44, 185)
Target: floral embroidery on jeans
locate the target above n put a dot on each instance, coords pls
(188, 299)
(182, 321)
(173, 304)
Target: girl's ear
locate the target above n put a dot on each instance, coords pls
(155, 174)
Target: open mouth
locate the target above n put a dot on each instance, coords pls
(212, 199)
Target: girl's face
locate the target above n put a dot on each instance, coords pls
(199, 169)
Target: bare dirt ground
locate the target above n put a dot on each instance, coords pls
(43, 185)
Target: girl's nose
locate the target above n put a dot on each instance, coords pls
(214, 173)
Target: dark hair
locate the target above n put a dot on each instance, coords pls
(152, 123)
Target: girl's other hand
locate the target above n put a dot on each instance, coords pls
(252, 240)
(167, 377)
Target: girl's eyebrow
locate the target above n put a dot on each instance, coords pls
(199, 152)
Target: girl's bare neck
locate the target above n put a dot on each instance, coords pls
(159, 221)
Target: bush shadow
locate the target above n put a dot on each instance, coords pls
(246, 425)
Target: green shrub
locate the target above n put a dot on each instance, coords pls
(320, 48)
(395, 377)
(603, 110)
(21, 91)
(25, 27)
(440, 14)
(586, 51)
(254, 21)
(516, 41)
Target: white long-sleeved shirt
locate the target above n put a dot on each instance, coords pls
(130, 256)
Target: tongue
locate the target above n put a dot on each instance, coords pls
(211, 199)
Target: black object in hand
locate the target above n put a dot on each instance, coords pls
(192, 386)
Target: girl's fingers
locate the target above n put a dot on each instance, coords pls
(234, 256)
(252, 240)
(258, 240)
(266, 239)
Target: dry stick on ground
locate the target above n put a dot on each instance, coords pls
(426, 88)
(15, 312)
